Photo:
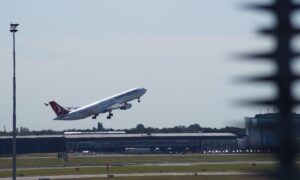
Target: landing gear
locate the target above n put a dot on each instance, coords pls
(95, 116)
(139, 100)
(110, 114)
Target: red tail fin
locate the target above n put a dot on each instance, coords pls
(58, 109)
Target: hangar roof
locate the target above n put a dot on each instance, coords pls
(95, 135)
(148, 135)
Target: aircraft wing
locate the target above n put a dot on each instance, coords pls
(116, 106)
(122, 106)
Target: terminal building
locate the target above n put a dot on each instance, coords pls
(261, 130)
(118, 143)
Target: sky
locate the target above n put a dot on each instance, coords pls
(184, 52)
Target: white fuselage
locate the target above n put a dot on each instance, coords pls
(105, 105)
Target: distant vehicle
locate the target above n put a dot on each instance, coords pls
(85, 152)
(119, 101)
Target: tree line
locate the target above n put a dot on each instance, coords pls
(140, 128)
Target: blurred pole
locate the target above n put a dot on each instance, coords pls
(13, 29)
(282, 56)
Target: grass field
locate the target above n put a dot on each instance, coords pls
(54, 166)
(237, 177)
(101, 160)
(144, 169)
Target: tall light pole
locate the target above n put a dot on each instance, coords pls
(13, 29)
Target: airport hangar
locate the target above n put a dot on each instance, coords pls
(117, 143)
(261, 131)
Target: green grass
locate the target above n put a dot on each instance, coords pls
(100, 160)
(144, 169)
(238, 177)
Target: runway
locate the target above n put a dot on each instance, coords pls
(227, 173)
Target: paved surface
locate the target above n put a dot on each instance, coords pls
(134, 155)
(148, 164)
(137, 175)
(141, 174)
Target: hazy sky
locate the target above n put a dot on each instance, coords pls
(182, 52)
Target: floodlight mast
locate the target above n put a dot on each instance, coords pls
(13, 29)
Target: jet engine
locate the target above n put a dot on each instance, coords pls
(126, 106)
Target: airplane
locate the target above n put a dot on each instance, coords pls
(119, 101)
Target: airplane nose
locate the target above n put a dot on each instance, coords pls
(144, 90)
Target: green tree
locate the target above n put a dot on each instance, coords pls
(140, 128)
(194, 128)
(100, 127)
